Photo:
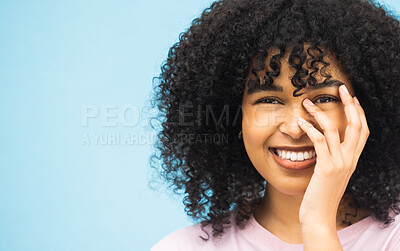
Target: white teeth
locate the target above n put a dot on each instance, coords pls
(295, 156)
(300, 156)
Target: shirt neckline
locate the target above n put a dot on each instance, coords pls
(264, 238)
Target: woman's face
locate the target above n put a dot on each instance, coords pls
(270, 123)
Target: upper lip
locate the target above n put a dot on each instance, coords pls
(294, 148)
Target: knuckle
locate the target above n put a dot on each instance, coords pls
(320, 139)
(331, 128)
(340, 165)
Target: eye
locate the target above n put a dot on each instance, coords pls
(268, 101)
(325, 99)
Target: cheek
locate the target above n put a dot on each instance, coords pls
(257, 126)
(260, 117)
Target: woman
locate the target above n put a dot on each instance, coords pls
(305, 95)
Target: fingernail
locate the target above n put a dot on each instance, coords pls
(345, 89)
(308, 102)
(356, 101)
(300, 120)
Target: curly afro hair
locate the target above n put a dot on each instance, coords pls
(204, 77)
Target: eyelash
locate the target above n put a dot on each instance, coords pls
(263, 100)
(332, 98)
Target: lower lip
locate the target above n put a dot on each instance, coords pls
(293, 165)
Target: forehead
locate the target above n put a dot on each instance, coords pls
(279, 69)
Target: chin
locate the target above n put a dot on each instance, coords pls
(292, 188)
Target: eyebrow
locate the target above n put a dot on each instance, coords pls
(264, 87)
(276, 88)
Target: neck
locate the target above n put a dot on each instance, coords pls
(279, 214)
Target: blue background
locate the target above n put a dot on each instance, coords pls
(71, 71)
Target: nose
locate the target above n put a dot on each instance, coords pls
(289, 126)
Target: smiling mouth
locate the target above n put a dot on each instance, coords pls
(294, 160)
(302, 154)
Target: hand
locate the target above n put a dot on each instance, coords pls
(335, 162)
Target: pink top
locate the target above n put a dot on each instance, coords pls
(366, 234)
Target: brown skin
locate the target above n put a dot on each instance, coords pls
(275, 124)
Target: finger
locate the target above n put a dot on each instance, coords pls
(330, 129)
(364, 130)
(353, 128)
(318, 139)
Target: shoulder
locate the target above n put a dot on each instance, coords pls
(390, 235)
(394, 233)
(373, 235)
(190, 238)
(177, 240)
